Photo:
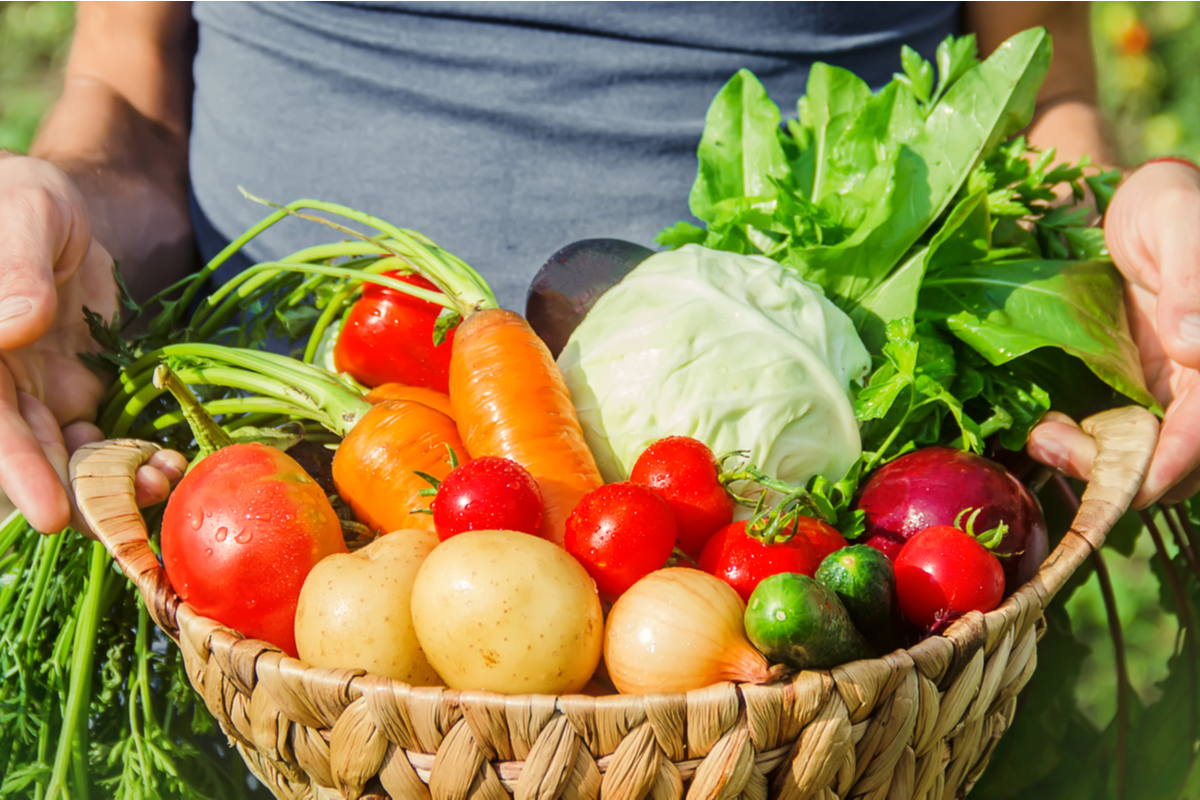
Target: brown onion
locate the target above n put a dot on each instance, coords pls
(679, 629)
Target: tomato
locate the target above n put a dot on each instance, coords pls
(241, 532)
(488, 494)
(942, 573)
(743, 561)
(684, 471)
(387, 337)
(621, 533)
(824, 537)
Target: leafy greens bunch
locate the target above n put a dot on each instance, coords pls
(938, 232)
(971, 267)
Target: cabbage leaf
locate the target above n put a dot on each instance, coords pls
(735, 351)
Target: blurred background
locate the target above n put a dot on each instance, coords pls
(1150, 91)
(1149, 81)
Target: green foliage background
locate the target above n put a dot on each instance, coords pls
(1150, 92)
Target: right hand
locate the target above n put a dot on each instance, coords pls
(50, 268)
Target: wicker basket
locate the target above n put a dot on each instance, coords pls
(918, 723)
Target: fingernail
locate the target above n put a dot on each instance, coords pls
(15, 307)
(1189, 328)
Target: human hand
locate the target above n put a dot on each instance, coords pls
(50, 268)
(1152, 229)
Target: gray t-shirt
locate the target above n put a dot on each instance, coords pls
(502, 130)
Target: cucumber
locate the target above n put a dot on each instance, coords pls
(865, 581)
(796, 621)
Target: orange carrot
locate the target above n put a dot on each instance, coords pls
(436, 400)
(510, 400)
(374, 467)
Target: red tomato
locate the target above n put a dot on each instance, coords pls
(488, 494)
(387, 337)
(942, 573)
(742, 561)
(824, 537)
(621, 533)
(684, 471)
(241, 532)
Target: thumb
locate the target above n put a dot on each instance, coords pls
(1153, 233)
(44, 237)
(1178, 314)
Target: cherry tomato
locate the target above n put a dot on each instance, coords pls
(621, 533)
(240, 534)
(684, 471)
(742, 561)
(942, 573)
(387, 337)
(824, 537)
(488, 494)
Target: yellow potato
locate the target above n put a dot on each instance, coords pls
(354, 610)
(508, 612)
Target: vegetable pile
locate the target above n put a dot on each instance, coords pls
(761, 451)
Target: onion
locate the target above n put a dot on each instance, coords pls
(680, 629)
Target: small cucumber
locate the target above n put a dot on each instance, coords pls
(796, 621)
(865, 581)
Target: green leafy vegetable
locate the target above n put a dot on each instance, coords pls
(1007, 309)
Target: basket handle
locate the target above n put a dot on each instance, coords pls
(1125, 441)
(102, 479)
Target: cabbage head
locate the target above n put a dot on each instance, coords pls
(736, 351)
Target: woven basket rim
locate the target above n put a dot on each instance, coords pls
(981, 662)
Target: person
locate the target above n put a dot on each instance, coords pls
(502, 130)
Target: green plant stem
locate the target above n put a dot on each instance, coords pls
(1174, 519)
(327, 399)
(462, 285)
(323, 322)
(79, 690)
(1186, 622)
(34, 611)
(1116, 634)
(209, 327)
(250, 283)
(260, 411)
(1104, 581)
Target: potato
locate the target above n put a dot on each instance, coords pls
(508, 612)
(354, 610)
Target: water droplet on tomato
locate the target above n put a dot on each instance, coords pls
(222, 532)
(195, 520)
(208, 552)
(243, 537)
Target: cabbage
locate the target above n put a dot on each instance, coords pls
(736, 351)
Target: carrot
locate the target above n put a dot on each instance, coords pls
(510, 400)
(436, 400)
(374, 467)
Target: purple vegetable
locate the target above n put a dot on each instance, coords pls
(934, 486)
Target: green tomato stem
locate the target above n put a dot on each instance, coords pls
(210, 437)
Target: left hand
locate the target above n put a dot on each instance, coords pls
(1152, 229)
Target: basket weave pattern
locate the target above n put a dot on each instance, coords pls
(917, 723)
